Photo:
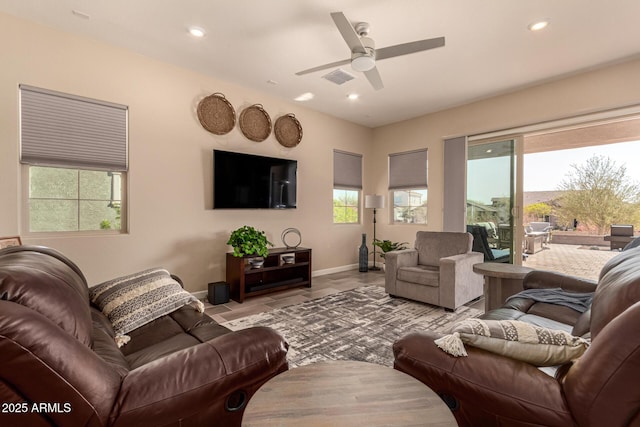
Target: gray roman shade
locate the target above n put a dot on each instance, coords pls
(347, 170)
(58, 129)
(408, 170)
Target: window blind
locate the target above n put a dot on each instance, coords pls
(408, 170)
(347, 170)
(58, 129)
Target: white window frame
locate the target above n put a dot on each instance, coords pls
(357, 206)
(26, 220)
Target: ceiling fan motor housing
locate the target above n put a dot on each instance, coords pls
(364, 61)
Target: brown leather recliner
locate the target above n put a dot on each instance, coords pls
(60, 365)
(599, 389)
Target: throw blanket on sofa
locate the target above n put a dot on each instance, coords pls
(580, 302)
(135, 300)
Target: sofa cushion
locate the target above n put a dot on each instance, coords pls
(134, 300)
(515, 339)
(183, 321)
(420, 274)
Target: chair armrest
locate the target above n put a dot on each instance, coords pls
(458, 282)
(460, 267)
(393, 260)
(200, 378)
(402, 258)
(540, 279)
(485, 388)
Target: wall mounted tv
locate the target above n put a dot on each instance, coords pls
(247, 181)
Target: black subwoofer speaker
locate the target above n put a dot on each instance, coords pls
(218, 293)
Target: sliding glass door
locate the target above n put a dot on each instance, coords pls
(491, 202)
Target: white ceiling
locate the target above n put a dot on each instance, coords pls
(254, 43)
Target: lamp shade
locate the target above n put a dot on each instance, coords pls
(373, 201)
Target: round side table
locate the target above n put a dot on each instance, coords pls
(501, 280)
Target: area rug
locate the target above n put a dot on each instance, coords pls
(360, 324)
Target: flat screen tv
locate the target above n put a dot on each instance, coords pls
(247, 181)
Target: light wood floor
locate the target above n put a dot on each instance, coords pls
(321, 286)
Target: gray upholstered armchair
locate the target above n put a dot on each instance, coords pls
(438, 271)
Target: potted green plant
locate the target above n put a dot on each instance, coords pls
(387, 246)
(247, 240)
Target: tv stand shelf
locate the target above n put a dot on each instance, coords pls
(245, 281)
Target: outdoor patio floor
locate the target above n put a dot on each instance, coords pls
(574, 260)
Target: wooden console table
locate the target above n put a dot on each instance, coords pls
(501, 280)
(274, 275)
(345, 393)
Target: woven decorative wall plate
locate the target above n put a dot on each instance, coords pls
(288, 130)
(255, 123)
(216, 114)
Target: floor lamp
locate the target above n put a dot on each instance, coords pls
(374, 202)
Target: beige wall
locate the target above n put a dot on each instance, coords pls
(603, 89)
(171, 220)
(172, 223)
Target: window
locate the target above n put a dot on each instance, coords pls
(346, 206)
(410, 206)
(74, 200)
(75, 152)
(347, 183)
(408, 186)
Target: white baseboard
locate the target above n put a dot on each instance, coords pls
(332, 270)
(200, 294)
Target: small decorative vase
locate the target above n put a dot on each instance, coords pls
(363, 259)
(256, 262)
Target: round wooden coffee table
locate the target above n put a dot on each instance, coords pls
(345, 393)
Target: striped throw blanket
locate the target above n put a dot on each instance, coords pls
(137, 299)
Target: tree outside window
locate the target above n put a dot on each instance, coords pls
(599, 193)
(346, 206)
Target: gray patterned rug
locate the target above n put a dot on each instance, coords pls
(359, 324)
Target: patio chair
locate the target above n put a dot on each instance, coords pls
(539, 229)
(481, 244)
(492, 233)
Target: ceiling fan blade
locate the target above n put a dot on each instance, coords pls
(348, 32)
(407, 48)
(324, 67)
(374, 78)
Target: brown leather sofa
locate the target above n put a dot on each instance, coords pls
(60, 365)
(599, 389)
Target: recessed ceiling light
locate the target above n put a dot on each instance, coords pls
(196, 32)
(305, 97)
(538, 25)
(353, 96)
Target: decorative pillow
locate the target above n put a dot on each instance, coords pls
(134, 300)
(515, 339)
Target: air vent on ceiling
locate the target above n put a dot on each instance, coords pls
(339, 76)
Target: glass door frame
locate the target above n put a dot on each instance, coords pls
(517, 164)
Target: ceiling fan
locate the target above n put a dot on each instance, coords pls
(364, 53)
